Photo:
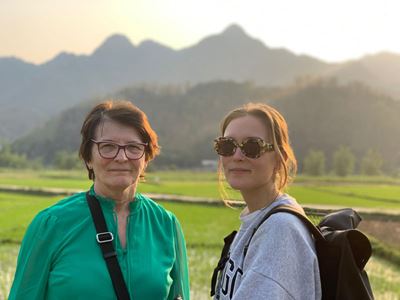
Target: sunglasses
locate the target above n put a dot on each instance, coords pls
(251, 147)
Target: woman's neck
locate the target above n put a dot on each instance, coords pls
(122, 197)
(260, 197)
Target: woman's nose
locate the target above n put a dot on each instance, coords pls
(238, 154)
(121, 155)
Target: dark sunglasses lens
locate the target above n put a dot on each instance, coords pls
(225, 147)
(251, 148)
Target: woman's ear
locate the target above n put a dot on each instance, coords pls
(278, 163)
(143, 172)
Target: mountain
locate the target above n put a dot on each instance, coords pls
(327, 114)
(381, 71)
(321, 115)
(32, 94)
(233, 55)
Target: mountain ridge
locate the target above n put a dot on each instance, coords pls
(31, 94)
(321, 115)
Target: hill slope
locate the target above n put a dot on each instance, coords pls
(31, 94)
(322, 115)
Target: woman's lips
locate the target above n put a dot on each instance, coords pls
(238, 170)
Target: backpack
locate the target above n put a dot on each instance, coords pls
(342, 253)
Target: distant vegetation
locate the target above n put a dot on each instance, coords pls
(352, 128)
(11, 159)
(187, 92)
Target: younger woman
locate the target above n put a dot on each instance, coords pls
(257, 160)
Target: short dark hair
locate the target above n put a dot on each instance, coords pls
(125, 113)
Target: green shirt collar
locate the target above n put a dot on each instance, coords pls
(109, 204)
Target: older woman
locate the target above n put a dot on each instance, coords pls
(60, 257)
(279, 261)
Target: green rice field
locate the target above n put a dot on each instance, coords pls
(204, 226)
(204, 231)
(376, 192)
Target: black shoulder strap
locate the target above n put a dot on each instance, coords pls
(291, 210)
(222, 261)
(105, 238)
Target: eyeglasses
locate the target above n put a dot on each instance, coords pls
(110, 150)
(251, 147)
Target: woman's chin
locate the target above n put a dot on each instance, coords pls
(237, 185)
(122, 184)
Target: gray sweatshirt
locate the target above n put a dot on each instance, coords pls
(281, 261)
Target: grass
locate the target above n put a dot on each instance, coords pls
(8, 258)
(385, 251)
(202, 261)
(46, 178)
(356, 191)
(16, 211)
(378, 192)
(384, 278)
(340, 197)
(353, 179)
(202, 189)
(204, 226)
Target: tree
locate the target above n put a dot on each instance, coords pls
(66, 160)
(343, 161)
(371, 163)
(8, 159)
(314, 163)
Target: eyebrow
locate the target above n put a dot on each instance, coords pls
(115, 142)
(246, 137)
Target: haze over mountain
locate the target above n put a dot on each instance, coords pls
(322, 115)
(31, 94)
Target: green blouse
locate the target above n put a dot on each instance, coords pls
(60, 258)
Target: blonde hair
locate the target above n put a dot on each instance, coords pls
(286, 166)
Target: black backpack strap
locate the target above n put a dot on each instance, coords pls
(222, 261)
(291, 210)
(104, 239)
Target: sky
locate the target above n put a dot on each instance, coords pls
(333, 31)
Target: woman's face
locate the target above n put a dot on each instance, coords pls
(120, 173)
(241, 172)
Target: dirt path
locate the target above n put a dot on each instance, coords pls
(386, 231)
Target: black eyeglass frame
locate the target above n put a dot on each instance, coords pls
(264, 146)
(123, 147)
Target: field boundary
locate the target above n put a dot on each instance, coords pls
(383, 217)
(38, 191)
(355, 195)
(319, 210)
